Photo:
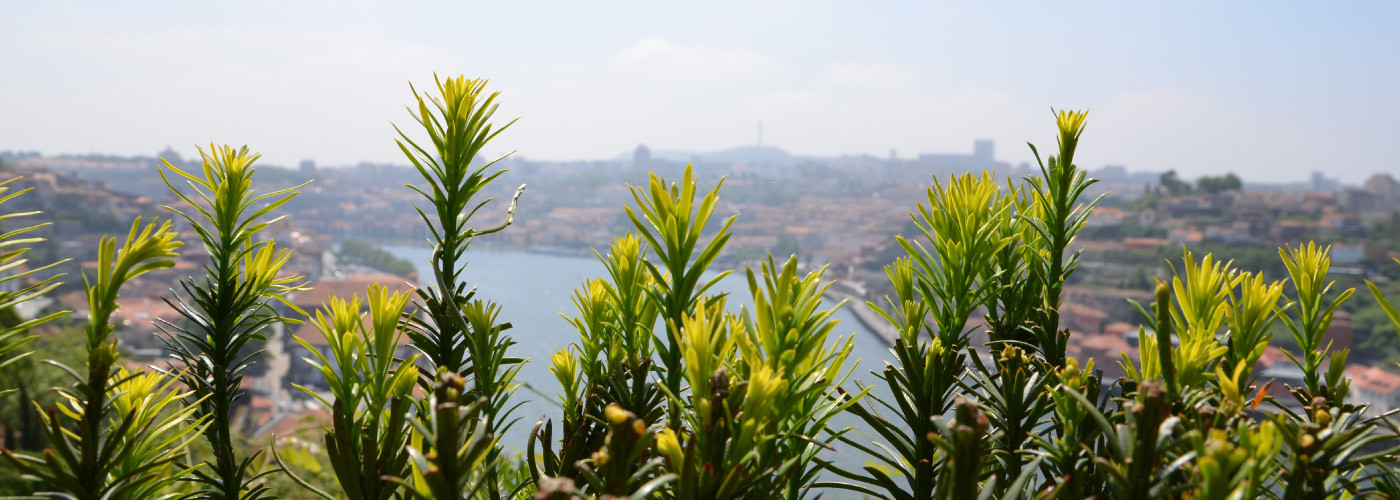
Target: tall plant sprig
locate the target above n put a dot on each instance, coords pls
(963, 223)
(1062, 216)
(368, 439)
(723, 450)
(110, 440)
(584, 374)
(1310, 318)
(1194, 306)
(788, 333)
(610, 365)
(459, 129)
(228, 310)
(630, 345)
(457, 333)
(962, 226)
(672, 222)
(12, 262)
(1252, 313)
(1015, 307)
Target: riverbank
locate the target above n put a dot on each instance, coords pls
(869, 319)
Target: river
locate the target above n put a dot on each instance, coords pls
(533, 289)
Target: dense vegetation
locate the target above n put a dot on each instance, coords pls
(364, 254)
(669, 393)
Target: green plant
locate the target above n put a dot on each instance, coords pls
(1194, 309)
(459, 130)
(717, 453)
(458, 333)
(717, 404)
(113, 438)
(1001, 251)
(1238, 467)
(1069, 453)
(609, 366)
(460, 465)
(1009, 400)
(1308, 265)
(1252, 313)
(1016, 303)
(612, 363)
(13, 337)
(962, 224)
(624, 467)
(923, 379)
(1059, 217)
(228, 310)
(672, 223)
(788, 334)
(1135, 463)
(369, 436)
(962, 445)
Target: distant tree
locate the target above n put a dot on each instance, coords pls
(1173, 184)
(368, 255)
(1219, 184)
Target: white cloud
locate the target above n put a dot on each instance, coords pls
(865, 75)
(658, 61)
(329, 94)
(291, 95)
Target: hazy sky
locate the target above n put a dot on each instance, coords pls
(1272, 90)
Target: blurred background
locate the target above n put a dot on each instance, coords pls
(1226, 128)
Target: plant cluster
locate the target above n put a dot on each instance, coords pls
(1018, 418)
(671, 393)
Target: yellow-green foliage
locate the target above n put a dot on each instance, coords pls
(117, 435)
(670, 394)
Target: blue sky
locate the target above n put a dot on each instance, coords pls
(1271, 90)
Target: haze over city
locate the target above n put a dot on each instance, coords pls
(1270, 91)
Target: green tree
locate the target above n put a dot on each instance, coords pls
(365, 254)
(1219, 184)
(1173, 184)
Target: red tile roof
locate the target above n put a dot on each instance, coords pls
(1372, 378)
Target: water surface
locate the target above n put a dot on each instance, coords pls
(533, 288)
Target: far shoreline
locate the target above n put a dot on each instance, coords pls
(868, 319)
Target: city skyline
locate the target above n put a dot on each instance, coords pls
(1277, 92)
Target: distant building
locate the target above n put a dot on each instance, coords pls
(1370, 384)
(171, 156)
(1110, 173)
(307, 166)
(982, 158)
(1385, 190)
(1321, 183)
(641, 157)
